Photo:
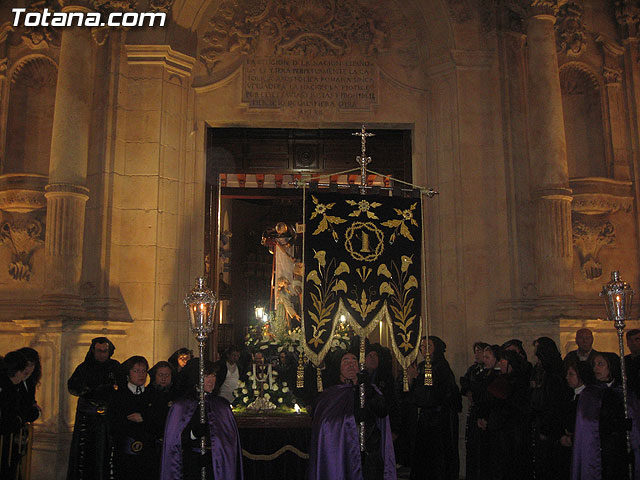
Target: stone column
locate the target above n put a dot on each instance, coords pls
(66, 193)
(548, 156)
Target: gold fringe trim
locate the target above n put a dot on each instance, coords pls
(286, 448)
(300, 372)
(319, 380)
(428, 372)
(404, 360)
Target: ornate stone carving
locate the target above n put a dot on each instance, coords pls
(577, 79)
(570, 30)
(588, 239)
(309, 28)
(628, 17)
(599, 196)
(115, 5)
(36, 73)
(22, 193)
(23, 235)
(612, 76)
(543, 7)
(161, 5)
(36, 37)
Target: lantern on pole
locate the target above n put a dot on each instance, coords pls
(201, 304)
(617, 296)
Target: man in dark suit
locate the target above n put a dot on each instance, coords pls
(585, 351)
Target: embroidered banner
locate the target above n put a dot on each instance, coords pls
(362, 260)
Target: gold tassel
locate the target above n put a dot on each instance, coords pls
(300, 372)
(362, 352)
(319, 380)
(405, 380)
(428, 372)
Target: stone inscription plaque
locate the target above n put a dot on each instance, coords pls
(309, 86)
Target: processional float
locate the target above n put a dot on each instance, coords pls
(362, 253)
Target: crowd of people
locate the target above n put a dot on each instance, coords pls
(548, 418)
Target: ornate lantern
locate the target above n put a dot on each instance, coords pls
(201, 304)
(617, 296)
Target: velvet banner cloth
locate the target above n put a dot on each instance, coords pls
(226, 452)
(587, 457)
(334, 451)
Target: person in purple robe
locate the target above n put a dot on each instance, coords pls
(599, 442)
(334, 450)
(181, 455)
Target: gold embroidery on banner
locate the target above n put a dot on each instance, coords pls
(365, 254)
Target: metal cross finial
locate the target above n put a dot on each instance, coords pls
(363, 160)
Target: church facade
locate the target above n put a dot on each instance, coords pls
(524, 116)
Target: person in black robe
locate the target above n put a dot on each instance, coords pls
(131, 424)
(178, 361)
(28, 386)
(503, 414)
(577, 376)
(601, 424)
(632, 361)
(94, 381)
(470, 387)
(182, 457)
(549, 393)
(436, 446)
(334, 450)
(14, 413)
(378, 366)
(162, 381)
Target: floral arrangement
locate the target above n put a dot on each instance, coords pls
(277, 393)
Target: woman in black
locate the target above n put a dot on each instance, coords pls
(471, 387)
(437, 429)
(134, 441)
(577, 376)
(549, 393)
(28, 386)
(503, 416)
(14, 413)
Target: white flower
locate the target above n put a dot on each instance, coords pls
(267, 396)
(255, 393)
(245, 400)
(284, 384)
(245, 391)
(240, 384)
(280, 400)
(274, 387)
(285, 389)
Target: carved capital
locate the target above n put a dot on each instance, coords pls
(163, 6)
(542, 7)
(23, 235)
(589, 237)
(628, 17)
(570, 30)
(612, 76)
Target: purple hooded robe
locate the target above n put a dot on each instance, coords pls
(586, 461)
(226, 452)
(334, 450)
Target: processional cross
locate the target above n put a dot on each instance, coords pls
(363, 160)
